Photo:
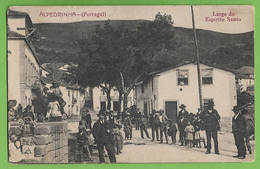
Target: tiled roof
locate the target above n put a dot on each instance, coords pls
(149, 75)
(61, 82)
(246, 70)
(189, 62)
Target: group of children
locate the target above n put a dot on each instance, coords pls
(192, 131)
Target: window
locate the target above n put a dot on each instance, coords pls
(207, 76)
(68, 94)
(182, 77)
(142, 88)
(77, 108)
(206, 103)
(102, 105)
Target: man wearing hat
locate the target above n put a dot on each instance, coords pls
(128, 126)
(109, 117)
(143, 126)
(85, 118)
(57, 92)
(137, 117)
(183, 111)
(154, 125)
(103, 137)
(182, 123)
(163, 121)
(211, 119)
(238, 128)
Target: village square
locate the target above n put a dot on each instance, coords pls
(128, 91)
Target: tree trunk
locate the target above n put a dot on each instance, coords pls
(125, 102)
(120, 98)
(108, 99)
(107, 89)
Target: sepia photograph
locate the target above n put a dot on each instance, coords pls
(130, 84)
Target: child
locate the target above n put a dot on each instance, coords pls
(128, 127)
(202, 133)
(15, 154)
(196, 126)
(82, 143)
(172, 131)
(189, 129)
(117, 138)
(90, 143)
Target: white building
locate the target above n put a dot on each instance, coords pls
(169, 88)
(23, 66)
(245, 78)
(100, 99)
(74, 95)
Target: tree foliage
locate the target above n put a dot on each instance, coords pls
(116, 56)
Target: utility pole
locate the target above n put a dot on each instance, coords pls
(197, 57)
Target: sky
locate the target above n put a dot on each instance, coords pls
(242, 16)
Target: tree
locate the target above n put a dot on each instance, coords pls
(117, 56)
(152, 37)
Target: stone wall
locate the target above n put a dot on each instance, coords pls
(50, 142)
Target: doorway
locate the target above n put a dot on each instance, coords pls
(171, 110)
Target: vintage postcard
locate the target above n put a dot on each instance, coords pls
(130, 84)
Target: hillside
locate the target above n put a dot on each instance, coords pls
(57, 43)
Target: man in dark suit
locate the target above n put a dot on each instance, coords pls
(238, 129)
(250, 128)
(154, 125)
(103, 138)
(182, 123)
(211, 119)
(183, 111)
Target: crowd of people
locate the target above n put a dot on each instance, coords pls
(190, 126)
(195, 130)
(47, 105)
(105, 133)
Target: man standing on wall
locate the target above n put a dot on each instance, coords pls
(56, 90)
(211, 119)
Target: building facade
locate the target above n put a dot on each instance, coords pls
(23, 66)
(168, 89)
(74, 95)
(100, 99)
